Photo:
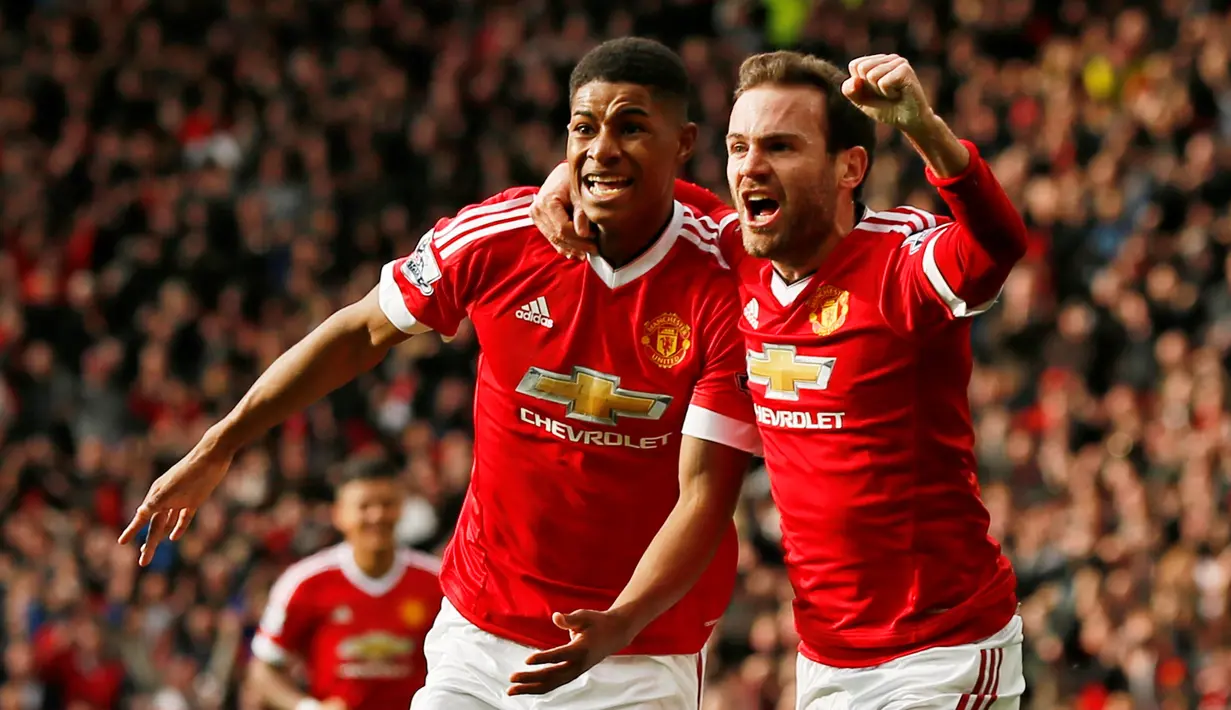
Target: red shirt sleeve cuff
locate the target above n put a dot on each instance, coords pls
(971, 167)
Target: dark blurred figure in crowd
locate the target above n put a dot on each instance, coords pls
(186, 188)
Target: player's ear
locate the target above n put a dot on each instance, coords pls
(688, 141)
(850, 166)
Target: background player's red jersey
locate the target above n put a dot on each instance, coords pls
(587, 377)
(361, 637)
(860, 374)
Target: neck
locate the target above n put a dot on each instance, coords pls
(795, 267)
(374, 563)
(619, 244)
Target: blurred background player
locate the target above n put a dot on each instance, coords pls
(612, 435)
(353, 615)
(857, 326)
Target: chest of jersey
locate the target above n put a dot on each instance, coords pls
(589, 363)
(820, 354)
(365, 638)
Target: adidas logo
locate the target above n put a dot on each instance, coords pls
(752, 312)
(536, 312)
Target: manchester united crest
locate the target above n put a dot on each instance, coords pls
(668, 338)
(414, 613)
(829, 306)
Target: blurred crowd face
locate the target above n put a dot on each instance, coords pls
(367, 512)
(625, 147)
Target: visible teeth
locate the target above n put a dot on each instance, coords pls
(605, 188)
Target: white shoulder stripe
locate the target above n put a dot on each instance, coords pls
(706, 227)
(688, 231)
(421, 560)
(903, 229)
(929, 219)
(295, 575)
(469, 237)
(483, 216)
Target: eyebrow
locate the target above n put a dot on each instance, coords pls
(627, 110)
(781, 135)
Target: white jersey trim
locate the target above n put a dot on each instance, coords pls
(473, 219)
(267, 650)
(702, 423)
(392, 303)
(615, 278)
(956, 306)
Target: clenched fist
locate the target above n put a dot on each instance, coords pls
(885, 87)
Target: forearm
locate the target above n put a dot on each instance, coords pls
(939, 147)
(273, 687)
(973, 194)
(336, 352)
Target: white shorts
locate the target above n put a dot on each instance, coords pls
(986, 675)
(469, 669)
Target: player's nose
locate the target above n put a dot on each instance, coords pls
(605, 148)
(755, 163)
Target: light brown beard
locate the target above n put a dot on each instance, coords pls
(800, 234)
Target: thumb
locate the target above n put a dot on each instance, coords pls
(576, 621)
(850, 88)
(581, 223)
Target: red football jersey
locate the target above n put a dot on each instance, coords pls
(361, 638)
(587, 377)
(859, 374)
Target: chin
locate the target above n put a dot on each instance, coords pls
(760, 244)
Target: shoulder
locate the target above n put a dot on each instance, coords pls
(419, 562)
(308, 571)
(485, 225)
(704, 232)
(902, 226)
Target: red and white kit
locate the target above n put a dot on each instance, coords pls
(859, 374)
(587, 378)
(360, 637)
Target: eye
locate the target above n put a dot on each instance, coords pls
(632, 129)
(737, 148)
(779, 146)
(583, 129)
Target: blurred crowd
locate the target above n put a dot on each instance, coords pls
(188, 186)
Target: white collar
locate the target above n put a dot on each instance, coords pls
(635, 269)
(373, 586)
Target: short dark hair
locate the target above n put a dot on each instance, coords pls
(846, 126)
(366, 469)
(634, 60)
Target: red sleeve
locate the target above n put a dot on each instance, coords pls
(946, 269)
(434, 284)
(287, 624)
(724, 219)
(720, 409)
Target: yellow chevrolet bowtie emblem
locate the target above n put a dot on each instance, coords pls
(592, 396)
(784, 373)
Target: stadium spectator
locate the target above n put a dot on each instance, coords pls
(186, 188)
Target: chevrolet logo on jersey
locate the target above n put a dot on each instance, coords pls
(784, 372)
(592, 396)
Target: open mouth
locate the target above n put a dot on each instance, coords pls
(606, 185)
(760, 210)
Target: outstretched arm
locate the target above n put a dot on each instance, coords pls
(347, 344)
(965, 262)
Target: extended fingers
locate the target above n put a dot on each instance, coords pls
(159, 524)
